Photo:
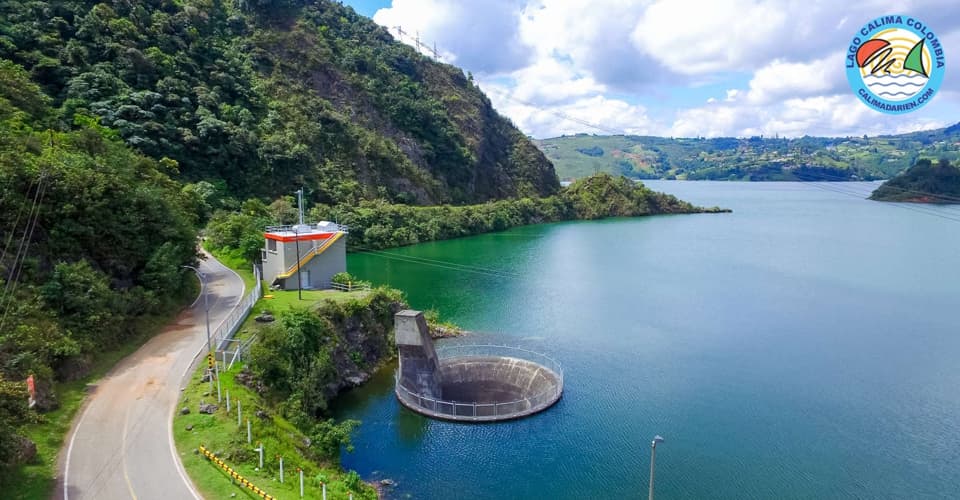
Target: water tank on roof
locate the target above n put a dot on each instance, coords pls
(327, 226)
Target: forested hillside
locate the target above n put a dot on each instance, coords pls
(925, 182)
(256, 98)
(377, 224)
(125, 126)
(749, 159)
(93, 238)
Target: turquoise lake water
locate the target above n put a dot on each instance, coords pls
(804, 346)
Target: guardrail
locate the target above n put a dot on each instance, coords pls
(289, 228)
(466, 410)
(235, 475)
(223, 336)
(350, 287)
(460, 350)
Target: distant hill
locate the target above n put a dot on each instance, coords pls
(752, 159)
(925, 182)
(257, 98)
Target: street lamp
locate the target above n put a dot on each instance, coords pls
(206, 305)
(653, 458)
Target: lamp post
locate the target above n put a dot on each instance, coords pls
(653, 458)
(296, 237)
(206, 304)
(296, 233)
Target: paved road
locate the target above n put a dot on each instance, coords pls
(121, 445)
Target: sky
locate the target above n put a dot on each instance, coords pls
(674, 68)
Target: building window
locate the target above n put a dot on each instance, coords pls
(272, 245)
(263, 255)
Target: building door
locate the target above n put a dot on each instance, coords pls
(304, 279)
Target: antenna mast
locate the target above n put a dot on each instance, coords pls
(300, 204)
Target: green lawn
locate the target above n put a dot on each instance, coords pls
(220, 434)
(282, 300)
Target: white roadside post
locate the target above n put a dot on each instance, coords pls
(249, 435)
(653, 458)
(260, 449)
(281, 468)
(301, 481)
(228, 401)
(323, 489)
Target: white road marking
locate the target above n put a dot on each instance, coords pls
(123, 453)
(173, 410)
(173, 451)
(66, 468)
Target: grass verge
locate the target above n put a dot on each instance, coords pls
(36, 481)
(220, 434)
(234, 260)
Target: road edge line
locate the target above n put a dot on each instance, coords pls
(173, 409)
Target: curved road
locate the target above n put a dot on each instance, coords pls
(121, 445)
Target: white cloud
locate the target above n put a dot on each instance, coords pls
(626, 65)
(691, 37)
(550, 80)
(833, 116)
(483, 37)
(781, 79)
(596, 114)
(594, 36)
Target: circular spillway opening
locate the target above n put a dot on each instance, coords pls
(477, 385)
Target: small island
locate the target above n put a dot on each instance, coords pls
(924, 182)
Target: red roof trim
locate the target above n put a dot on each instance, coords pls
(303, 237)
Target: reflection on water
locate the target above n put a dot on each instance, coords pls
(803, 346)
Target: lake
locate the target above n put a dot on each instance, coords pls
(804, 346)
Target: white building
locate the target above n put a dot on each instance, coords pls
(322, 251)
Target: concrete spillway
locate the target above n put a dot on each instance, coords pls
(473, 384)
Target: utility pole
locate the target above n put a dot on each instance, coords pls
(296, 237)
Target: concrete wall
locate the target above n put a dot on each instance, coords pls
(272, 262)
(321, 267)
(502, 377)
(419, 366)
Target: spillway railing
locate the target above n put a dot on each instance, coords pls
(479, 412)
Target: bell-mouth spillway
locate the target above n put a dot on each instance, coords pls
(471, 383)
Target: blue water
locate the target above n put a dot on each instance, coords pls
(804, 346)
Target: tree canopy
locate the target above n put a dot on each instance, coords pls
(94, 235)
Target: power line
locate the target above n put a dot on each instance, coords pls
(440, 263)
(16, 224)
(824, 186)
(946, 198)
(9, 298)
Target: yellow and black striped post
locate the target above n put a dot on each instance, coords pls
(235, 475)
